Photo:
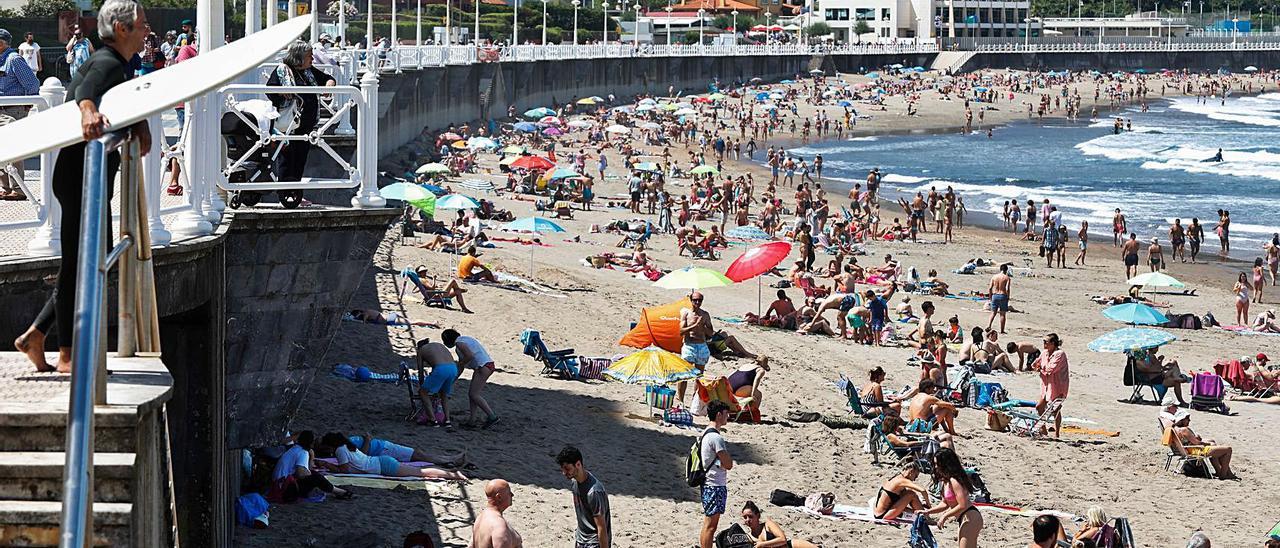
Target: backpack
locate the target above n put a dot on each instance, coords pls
(734, 537)
(780, 497)
(695, 471)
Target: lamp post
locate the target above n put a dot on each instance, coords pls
(734, 13)
(1235, 30)
(368, 30)
(604, 27)
(448, 23)
(668, 8)
(544, 22)
(635, 32)
(701, 24)
(342, 22)
(417, 37)
(768, 30)
(476, 39)
(576, 3)
(515, 22)
(1027, 32)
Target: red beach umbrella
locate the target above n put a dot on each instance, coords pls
(756, 261)
(532, 163)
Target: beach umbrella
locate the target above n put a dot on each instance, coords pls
(513, 149)
(717, 96)
(450, 137)
(553, 131)
(625, 108)
(586, 101)
(645, 108)
(692, 277)
(786, 81)
(762, 95)
(525, 127)
(981, 90)
(748, 232)
(917, 69)
(704, 169)
(581, 123)
(650, 125)
(532, 163)
(481, 142)
(646, 166)
(564, 173)
(895, 66)
(1135, 313)
(873, 75)
(618, 130)
(756, 80)
(478, 185)
(534, 225)
(550, 121)
(845, 104)
(456, 201)
(651, 366)
(1130, 339)
(684, 112)
(460, 145)
(432, 168)
(1251, 68)
(412, 194)
(756, 261)
(538, 113)
(817, 72)
(668, 106)
(647, 101)
(438, 191)
(1155, 279)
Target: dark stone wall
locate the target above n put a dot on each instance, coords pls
(868, 63)
(1234, 61)
(289, 277)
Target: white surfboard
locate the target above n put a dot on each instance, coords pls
(144, 96)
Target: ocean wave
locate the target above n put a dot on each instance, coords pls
(892, 178)
(864, 139)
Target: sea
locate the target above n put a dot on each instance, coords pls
(1154, 173)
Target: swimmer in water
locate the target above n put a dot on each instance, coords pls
(1216, 157)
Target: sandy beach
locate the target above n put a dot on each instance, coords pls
(641, 463)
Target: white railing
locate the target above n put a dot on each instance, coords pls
(345, 99)
(1088, 47)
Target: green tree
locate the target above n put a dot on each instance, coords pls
(47, 8)
(818, 29)
(691, 37)
(860, 29)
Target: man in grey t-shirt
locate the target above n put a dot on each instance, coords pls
(715, 456)
(590, 502)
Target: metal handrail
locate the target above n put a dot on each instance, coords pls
(138, 325)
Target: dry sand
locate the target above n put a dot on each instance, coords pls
(641, 463)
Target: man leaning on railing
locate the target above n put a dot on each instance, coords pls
(16, 80)
(122, 25)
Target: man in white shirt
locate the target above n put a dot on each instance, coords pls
(715, 491)
(30, 52)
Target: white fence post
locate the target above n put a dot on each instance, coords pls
(152, 175)
(367, 163)
(192, 221)
(47, 240)
(346, 72)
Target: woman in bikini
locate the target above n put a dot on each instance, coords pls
(956, 504)
(873, 395)
(901, 493)
(1257, 280)
(766, 532)
(1241, 291)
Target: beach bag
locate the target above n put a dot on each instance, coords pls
(695, 471)
(1124, 534)
(781, 497)
(678, 417)
(734, 537)
(1208, 320)
(984, 391)
(1195, 468)
(822, 503)
(980, 492)
(997, 421)
(921, 535)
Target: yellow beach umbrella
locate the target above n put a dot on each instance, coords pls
(651, 366)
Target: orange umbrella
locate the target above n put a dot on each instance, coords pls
(658, 326)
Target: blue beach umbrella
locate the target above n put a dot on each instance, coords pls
(787, 82)
(748, 232)
(1135, 313)
(1130, 339)
(535, 225)
(539, 112)
(845, 104)
(438, 191)
(762, 96)
(564, 173)
(526, 127)
(456, 201)
(646, 166)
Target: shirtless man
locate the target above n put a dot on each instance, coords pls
(782, 313)
(926, 406)
(439, 384)
(1129, 252)
(918, 207)
(1000, 289)
(491, 529)
(695, 329)
(1027, 354)
(1177, 240)
(1155, 255)
(843, 298)
(1118, 226)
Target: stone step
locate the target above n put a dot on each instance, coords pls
(36, 523)
(37, 476)
(43, 427)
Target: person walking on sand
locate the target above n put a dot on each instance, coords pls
(1083, 235)
(695, 329)
(1195, 235)
(1155, 255)
(491, 529)
(590, 502)
(1118, 227)
(1129, 253)
(1000, 290)
(472, 355)
(1055, 378)
(715, 491)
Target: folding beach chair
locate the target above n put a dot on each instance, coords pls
(631, 240)
(1207, 390)
(1029, 424)
(1184, 454)
(559, 362)
(855, 403)
(805, 283)
(719, 390)
(415, 399)
(1139, 380)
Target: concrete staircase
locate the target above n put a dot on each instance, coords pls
(950, 62)
(131, 505)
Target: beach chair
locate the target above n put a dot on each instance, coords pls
(415, 399)
(719, 390)
(632, 239)
(1207, 390)
(1029, 424)
(855, 403)
(1184, 454)
(559, 362)
(1139, 380)
(805, 283)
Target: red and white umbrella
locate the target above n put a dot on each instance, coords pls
(756, 261)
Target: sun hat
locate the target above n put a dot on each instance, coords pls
(1261, 357)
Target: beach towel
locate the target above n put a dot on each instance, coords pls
(364, 374)
(1082, 431)
(921, 535)
(378, 476)
(857, 513)
(1233, 372)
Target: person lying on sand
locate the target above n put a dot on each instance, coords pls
(766, 532)
(901, 493)
(351, 460)
(375, 317)
(376, 447)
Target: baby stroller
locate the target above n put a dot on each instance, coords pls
(240, 138)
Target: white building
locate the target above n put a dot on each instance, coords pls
(1138, 24)
(891, 20)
